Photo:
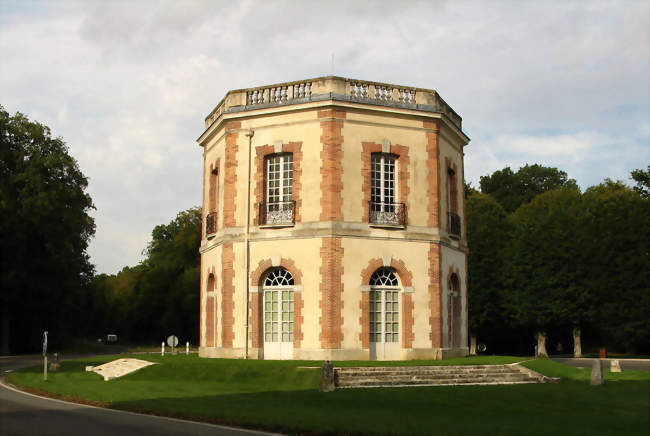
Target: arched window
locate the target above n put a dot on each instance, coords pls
(278, 314)
(383, 277)
(278, 277)
(453, 219)
(384, 311)
(454, 311)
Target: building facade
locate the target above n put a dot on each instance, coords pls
(334, 224)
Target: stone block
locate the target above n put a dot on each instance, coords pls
(597, 373)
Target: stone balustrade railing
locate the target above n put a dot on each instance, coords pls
(333, 87)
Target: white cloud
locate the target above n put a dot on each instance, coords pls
(128, 84)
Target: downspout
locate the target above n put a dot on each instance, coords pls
(249, 134)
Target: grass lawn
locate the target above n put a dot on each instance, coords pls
(280, 396)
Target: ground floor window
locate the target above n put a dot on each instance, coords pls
(278, 314)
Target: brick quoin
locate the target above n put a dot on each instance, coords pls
(364, 319)
(433, 175)
(331, 289)
(256, 302)
(230, 177)
(259, 191)
(227, 296)
(406, 279)
(331, 169)
(435, 319)
(407, 321)
(403, 168)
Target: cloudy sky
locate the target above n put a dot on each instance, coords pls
(127, 84)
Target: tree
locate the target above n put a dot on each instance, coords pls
(45, 229)
(512, 189)
(546, 280)
(617, 263)
(488, 233)
(642, 179)
(161, 295)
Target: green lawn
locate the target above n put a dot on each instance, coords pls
(281, 396)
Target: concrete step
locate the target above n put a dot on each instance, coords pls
(362, 371)
(433, 375)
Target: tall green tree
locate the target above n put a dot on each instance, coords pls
(160, 296)
(546, 280)
(617, 263)
(642, 179)
(488, 234)
(513, 189)
(45, 228)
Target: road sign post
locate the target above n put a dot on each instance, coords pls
(172, 341)
(44, 356)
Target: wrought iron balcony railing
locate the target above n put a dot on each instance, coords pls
(211, 223)
(280, 213)
(393, 214)
(453, 224)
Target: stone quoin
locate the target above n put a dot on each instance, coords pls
(333, 224)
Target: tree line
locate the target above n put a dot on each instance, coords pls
(549, 261)
(546, 260)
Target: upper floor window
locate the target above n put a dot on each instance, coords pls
(278, 207)
(384, 208)
(213, 190)
(453, 219)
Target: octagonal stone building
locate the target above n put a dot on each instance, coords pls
(334, 223)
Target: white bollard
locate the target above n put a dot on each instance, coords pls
(162, 349)
(187, 348)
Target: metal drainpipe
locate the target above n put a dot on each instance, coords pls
(250, 134)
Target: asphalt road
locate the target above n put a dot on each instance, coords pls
(24, 414)
(626, 364)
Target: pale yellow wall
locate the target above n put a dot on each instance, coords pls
(239, 296)
(211, 258)
(455, 259)
(357, 253)
(297, 127)
(306, 255)
(363, 127)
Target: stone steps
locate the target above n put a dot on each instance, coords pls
(434, 376)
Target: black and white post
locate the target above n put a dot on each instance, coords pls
(44, 356)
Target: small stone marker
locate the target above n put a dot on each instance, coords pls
(597, 373)
(55, 364)
(615, 366)
(327, 383)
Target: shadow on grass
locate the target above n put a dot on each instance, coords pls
(572, 408)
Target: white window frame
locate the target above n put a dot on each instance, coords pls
(388, 164)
